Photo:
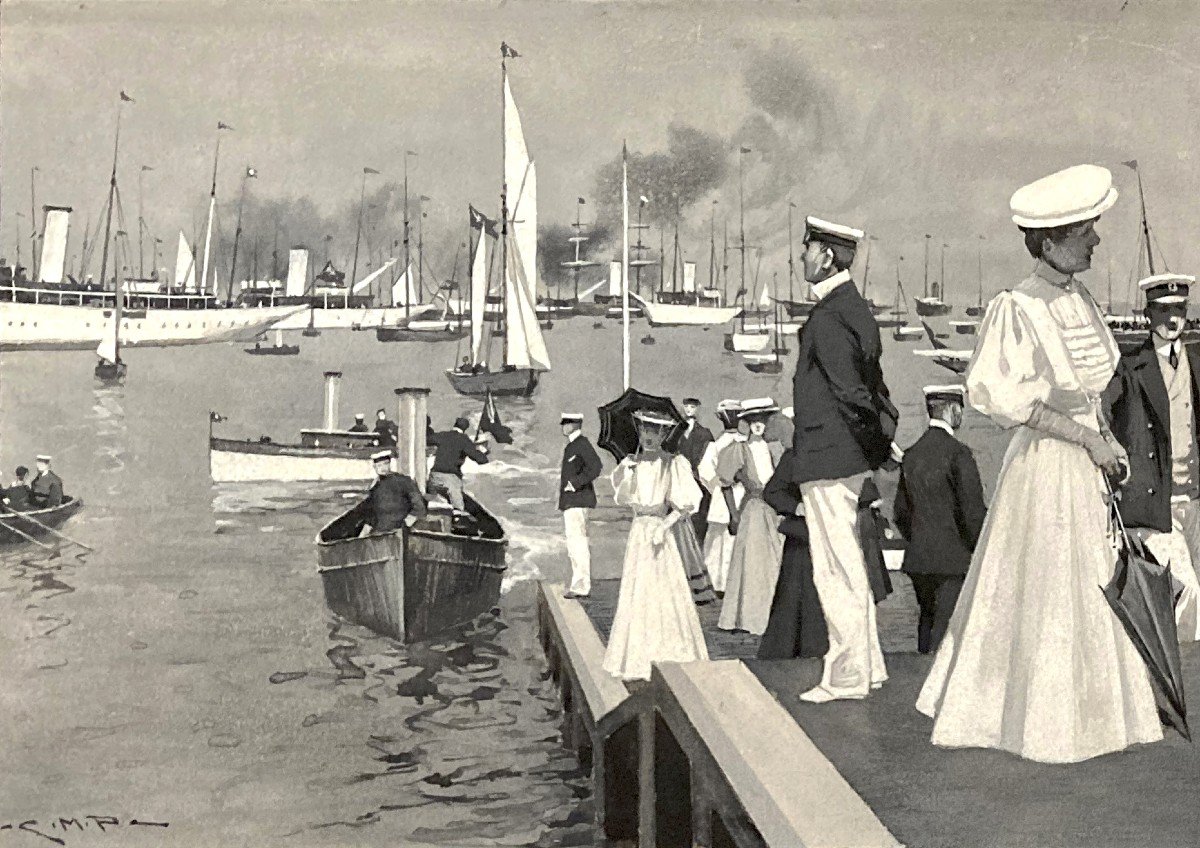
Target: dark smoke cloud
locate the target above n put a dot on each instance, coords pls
(554, 248)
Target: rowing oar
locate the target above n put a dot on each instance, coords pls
(57, 533)
(25, 535)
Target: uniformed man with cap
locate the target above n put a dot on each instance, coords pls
(939, 509)
(360, 424)
(394, 500)
(454, 447)
(844, 424)
(46, 490)
(696, 437)
(576, 495)
(1153, 407)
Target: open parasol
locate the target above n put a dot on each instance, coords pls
(1141, 596)
(618, 431)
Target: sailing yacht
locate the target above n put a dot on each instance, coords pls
(931, 305)
(110, 368)
(525, 356)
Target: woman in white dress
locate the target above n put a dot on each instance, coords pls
(656, 620)
(758, 544)
(1034, 661)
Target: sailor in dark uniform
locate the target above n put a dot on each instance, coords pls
(394, 501)
(453, 448)
(696, 437)
(359, 426)
(576, 495)
(46, 490)
(387, 430)
(940, 511)
(17, 497)
(1152, 404)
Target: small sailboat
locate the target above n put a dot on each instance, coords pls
(901, 331)
(110, 368)
(931, 305)
(771, 363)
(277, 349)
(752, 338)
(977, 310)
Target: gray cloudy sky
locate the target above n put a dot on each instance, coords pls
(903, 118)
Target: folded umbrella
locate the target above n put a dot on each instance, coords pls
(618, 430)
(1141, 596)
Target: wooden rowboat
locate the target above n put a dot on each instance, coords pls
(412, 583)
(34, 522)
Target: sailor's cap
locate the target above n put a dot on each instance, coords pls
(691, 401)
(646, 416)
(44, 457)
(817, 229)
(380, 456)
(1078, 193)
(1167, 288)
(571, 418)
(947, 392)
(359, 415)
(757, 406)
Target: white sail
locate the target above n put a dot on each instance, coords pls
(297, 278)
(185, 264)
(689, 276)
(107, 349)
(614, 279)
(404, 289)
(479, 287)
(366, 281)
(525, 346)
(764, 299)
(54, 244)
(520, 179)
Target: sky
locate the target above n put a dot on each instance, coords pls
(902, 118)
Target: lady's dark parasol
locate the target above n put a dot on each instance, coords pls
(618, 430)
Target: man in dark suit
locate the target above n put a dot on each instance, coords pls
(1153, 407)
(844, 423)
(454, 447)
(46, 490)
(394, 501)
(696, 438)
(17, 497)
(939, 510)
(576, 495)
(386, 428)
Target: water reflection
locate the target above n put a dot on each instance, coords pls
(111, 432)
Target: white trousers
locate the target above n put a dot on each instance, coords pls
(718, 553)
(1181, 548)
(578, 552)
(854, 663)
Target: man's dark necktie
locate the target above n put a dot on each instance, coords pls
(1173, 358)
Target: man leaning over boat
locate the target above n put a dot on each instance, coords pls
(394, 500)
(454, 447)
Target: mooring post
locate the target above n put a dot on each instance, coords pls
(333, 380)
(410, 441)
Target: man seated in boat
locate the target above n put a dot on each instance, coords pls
(387, 429)
(46, 491)
(360, 424)
(17, 498)
(454, 447)
(394, 501)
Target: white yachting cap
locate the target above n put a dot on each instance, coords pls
(824, 230)
(758, 406)
(359, 415)
(648, 417)
(1167, 288)
(948, 392)
(571, 418)
(1074, 194)
(42, 457)
(381, 455)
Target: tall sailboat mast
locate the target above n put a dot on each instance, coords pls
(407, 250)
(237, 233)
(212, 208)
(35, 259)
(867, 270)
(504, 194)
(112, 191)
(625, 263)
(362, 195)
(925, 291)
(791, 254)
(742, 229)
(712, 248)
(1145, 225)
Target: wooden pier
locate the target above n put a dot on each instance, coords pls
(723, 754)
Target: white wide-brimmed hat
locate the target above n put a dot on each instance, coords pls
(657, 419)
(1078, 193)
(757, 406)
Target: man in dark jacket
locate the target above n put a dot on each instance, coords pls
(844, 423)
(360, 424)
(576, 495)
(17, 497)
(939, 510)
(386, 428)
(696, 437)
(454, 447)
(394, 501)
(1153, 407)
(46, 490)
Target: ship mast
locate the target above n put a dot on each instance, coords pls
(792, 256)
(212, 208)
(1145, 225)
(112, 191)
(925, 292)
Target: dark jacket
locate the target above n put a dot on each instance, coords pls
(692, 445)
(388, 432)
(580, 467)
(46, 490)
(782, 494)
(454, 447)
(1138, 411)
(359, 427)
(939, 505)
(16, 498)
(844, 418)
(391, 500)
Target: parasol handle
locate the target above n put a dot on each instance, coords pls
(1115, 512)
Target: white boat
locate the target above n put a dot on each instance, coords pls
(952, 360)
(685, 314)
(748, 342)
(907, 333)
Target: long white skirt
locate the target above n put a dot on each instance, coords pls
(1034, 661)
(656, 620)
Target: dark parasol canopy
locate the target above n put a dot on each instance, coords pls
(618, 430)
(1141, 595)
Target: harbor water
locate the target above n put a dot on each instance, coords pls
(187, 672)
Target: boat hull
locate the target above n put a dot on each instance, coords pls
(274, 350)
(775, 367)
(747, 342)
(686, 315)
(339, 318)
(930, 308)
(240, 461)
(908, 334)
(413, 583)
(444, 332)
(44, 326)
(521, 382)
(36, 523)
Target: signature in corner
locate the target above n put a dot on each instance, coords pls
(56, 830)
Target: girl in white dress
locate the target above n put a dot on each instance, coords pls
(1034, 661)
(656, 620)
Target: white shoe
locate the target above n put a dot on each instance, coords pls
(821, 695)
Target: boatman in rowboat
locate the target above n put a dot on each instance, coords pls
(16, 497)
(454, 447)
(394, 501)
(576, 495)
(360, 425)
(46, 491)
(1152, 404)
